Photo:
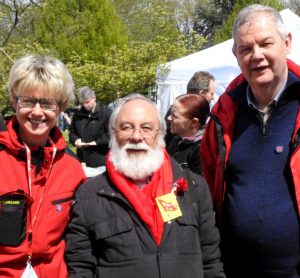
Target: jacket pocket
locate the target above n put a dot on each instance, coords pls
(63, 200)
(13, 217)
(58, 215)
(117, 240)
(187, 233)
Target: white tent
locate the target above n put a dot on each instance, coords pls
(218, 60)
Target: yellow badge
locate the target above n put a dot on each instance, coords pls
(168, 206)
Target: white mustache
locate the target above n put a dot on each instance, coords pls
(139, 146)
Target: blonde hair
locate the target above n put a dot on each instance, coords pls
(34, 72)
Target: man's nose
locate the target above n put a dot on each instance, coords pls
(257, 52)
(136, 135)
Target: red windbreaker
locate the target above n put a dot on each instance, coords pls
(52, 191)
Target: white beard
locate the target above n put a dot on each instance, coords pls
(136, 166)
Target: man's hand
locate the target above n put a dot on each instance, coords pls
(93, 143)
(78, 143)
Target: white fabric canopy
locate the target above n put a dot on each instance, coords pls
(218, 60)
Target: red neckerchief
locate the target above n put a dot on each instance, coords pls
(143, 201)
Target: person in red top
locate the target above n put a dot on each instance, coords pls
(38, 174)
(123, 223)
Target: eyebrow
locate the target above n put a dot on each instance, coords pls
(130, 123)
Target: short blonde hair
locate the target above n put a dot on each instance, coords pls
(33, 72)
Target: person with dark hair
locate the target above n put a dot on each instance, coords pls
(89, 129)
(144, 217)
(187, 121)
(39, 175)
(251, 152)
(201, 83)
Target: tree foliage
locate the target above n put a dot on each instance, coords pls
(147, 19)
(211, 15)
(12, 12)
(82, 27)
(225, 32)
(126, 70)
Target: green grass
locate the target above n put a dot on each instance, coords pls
(66, 136)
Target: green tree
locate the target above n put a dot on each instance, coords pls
(225, 32)
(209, 16)
(126, 70)
(11, 14)
(147, 19)
(84, 27)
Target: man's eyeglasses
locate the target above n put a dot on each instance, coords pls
(45, 103)
(127, 131)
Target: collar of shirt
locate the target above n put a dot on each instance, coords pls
(198, 136)
(250, 99)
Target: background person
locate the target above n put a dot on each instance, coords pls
(64, 121)
(113, 105)
(188, 118)
(117, 230)
(89, 129)
(37, 180)
(254, 134)
(201, 83)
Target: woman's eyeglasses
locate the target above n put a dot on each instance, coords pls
(45, 103)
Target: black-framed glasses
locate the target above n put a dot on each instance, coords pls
(45, 103)
(127, 131)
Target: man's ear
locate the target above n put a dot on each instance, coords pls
(233, 51)
(203, 93)
(288, 43)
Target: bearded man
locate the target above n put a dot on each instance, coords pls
(140, 219)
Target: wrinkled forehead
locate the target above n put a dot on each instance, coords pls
(136, 112)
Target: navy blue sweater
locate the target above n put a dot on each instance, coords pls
(260, 235)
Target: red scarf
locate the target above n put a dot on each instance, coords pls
(143, 201)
